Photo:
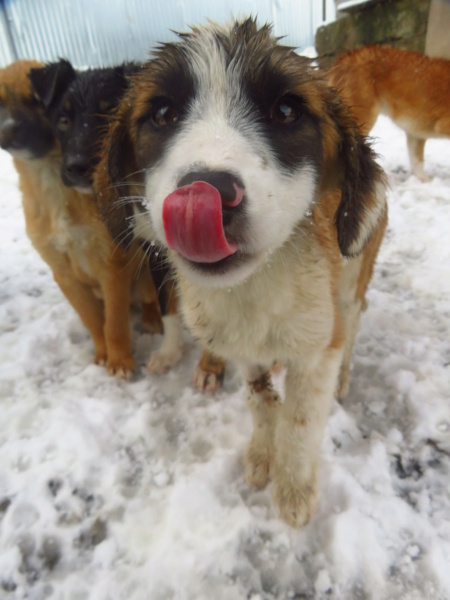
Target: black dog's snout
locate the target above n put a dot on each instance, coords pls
(77, 167)
(228, 184)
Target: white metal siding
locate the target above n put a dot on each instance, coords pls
(106, 32)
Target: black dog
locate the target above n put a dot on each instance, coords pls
(77, 104)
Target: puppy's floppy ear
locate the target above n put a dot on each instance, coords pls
(113, 181)
(362, 181)
(50, 82)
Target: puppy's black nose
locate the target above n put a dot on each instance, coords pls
(8, 132)
(77, 167)
(229, 186)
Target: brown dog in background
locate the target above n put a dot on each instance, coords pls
(95, 275)
(410, 88)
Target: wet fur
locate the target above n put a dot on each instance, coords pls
(410, 88)
(306, 256)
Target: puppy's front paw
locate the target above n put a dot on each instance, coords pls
(161, 361)
(121, 367)
(297, 502)
(257, 465)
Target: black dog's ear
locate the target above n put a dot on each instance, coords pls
(362, 182)
(50, 82)
(124, 72)
(115, 179)
(130, 68)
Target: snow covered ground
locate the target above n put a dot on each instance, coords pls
(134, 491)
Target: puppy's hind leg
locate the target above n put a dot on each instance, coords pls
(351, 319)
(350, 307)
(171, 349)
(355, 278)
(151, 317)
(209, 373)
(146, 293)
(415, 149)
(264, 404)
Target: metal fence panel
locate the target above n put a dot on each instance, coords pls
(106, 32)
(7, 54)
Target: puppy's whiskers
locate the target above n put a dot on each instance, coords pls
(128, 200)
(125, 184)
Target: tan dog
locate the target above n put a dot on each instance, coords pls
(94, 274)
(410, 88)
(272, 209)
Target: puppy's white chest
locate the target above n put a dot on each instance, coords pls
(272, 316)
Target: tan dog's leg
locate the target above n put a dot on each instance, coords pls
(116, 289)
(264, 403)
(298, 436)
(89, 308)
(415, 149)
(210, 371)
(442, 127)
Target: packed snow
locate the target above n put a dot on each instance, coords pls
(115, 490)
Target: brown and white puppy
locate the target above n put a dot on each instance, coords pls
(410, 88)
(64, 226)
(272, 209)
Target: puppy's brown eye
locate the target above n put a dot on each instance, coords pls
(285, 111)
(164, 115)
(63, 123)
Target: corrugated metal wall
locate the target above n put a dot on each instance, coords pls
(106, 32)
(7, 53)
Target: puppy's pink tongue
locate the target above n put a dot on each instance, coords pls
(192, 218)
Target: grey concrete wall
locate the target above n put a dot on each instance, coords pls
(437, 43)
(399, 23)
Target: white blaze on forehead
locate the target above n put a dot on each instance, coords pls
(217, 83)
